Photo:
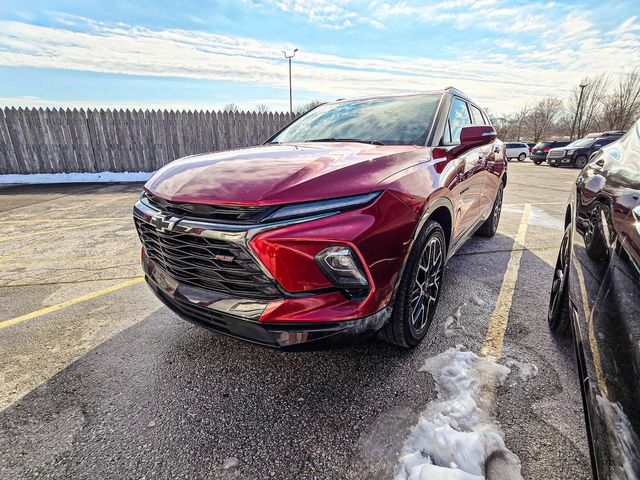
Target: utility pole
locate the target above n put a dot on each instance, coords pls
(575, 118)
(289, 57)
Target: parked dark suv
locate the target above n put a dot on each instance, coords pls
(539, 151)
(596, 295)
(577, 153)
(339, 225)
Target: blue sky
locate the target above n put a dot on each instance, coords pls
(195, 54)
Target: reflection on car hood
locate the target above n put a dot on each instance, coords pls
(273, 174)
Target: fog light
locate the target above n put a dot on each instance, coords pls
(341, 266)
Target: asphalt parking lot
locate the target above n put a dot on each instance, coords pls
(99, 380)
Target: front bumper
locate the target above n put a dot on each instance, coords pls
(238, 318)
(306, 306)
(565, 161)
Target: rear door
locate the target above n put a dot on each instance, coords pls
(470, 167)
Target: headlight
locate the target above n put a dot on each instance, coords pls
(323, 206)
(342, 267)
(570, 152)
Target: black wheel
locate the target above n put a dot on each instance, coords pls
(522, 156)
(490, 225)
(538, 162)
(554, 166)
(419, 291)
(580, 162)
(558, 316)
(594, 240)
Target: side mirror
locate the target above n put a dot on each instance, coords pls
(477, 135)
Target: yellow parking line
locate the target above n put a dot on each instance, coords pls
(68, 303)
(494, 339)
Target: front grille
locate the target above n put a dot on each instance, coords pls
(556, 154)
(243, 215)
(190, 260)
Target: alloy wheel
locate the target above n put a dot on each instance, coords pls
(426, 285)
(497, 209)
(559, 277)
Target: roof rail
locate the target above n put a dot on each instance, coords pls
(455, 90)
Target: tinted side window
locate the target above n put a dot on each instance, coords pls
(458, 118)
(477, 115)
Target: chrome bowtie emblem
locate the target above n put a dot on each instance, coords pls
(164, 223)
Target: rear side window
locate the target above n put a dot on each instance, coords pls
(476, 115)
(458, 118)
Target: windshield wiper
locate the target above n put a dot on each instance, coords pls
(356, 140)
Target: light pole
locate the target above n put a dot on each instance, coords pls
(289, 57)
(575, 118)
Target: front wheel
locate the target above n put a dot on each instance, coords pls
(580, 162)
(522, 156)
(490, 225)
(538, 162)
(558, 314)
(419, 291)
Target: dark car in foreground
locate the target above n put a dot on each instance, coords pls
(577, 153)
(338, 226)
(539, 151)
(596, 295)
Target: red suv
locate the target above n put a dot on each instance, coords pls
(338, 226)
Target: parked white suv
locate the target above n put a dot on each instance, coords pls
(517, 150)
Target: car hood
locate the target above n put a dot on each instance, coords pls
(274, 174)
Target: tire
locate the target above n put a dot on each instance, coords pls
(417, 297)
(580, 162)
(538, 162)
(490, 225)
(558, 314)
(522, 157)
(554, 166)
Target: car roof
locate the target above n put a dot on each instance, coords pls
(450, 90)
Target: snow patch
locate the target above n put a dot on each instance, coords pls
(455, 438)
(525, 371)
(75, 177)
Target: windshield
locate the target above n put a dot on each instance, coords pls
(583, 142)
(389, 120)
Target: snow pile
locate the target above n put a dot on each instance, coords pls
(455, 439)
(75, 177)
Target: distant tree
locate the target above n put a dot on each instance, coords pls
(262, 108)
(519, 119)
(542, 116)
(231, 107)
(306, 107)
(588, 117)
(622, 107)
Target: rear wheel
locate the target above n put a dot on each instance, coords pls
(580, 162)
(490, 225)
(558, 314)
(538, 162)
(522, 156)
(419, 291)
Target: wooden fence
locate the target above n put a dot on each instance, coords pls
(62, 141)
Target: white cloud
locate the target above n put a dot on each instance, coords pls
(497, 80)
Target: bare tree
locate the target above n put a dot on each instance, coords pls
(231, 107)
(307, 106)
(587, 117)
(520, 118)
(622, 107)
(510, 126)
(542, 116)
(262, 108)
